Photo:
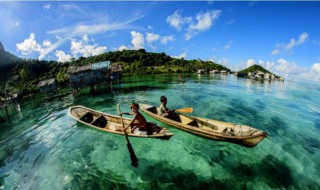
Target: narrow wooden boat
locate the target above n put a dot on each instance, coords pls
(110, 123)
(211, 129)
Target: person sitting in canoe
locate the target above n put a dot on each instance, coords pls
(140, 122)
(164, 111)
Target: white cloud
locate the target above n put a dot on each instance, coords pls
(176, 20)
(250, 62)
(85, 38)
(46, 6)
(123, 47)
(46, 43)
(205, 20)
(221, 61)
(200, 23)
(316, 67)
(62, 56)
(82, 47)
(29, 45)
(137, 40)
(293, 42)
(182, 55)
(152, 37)
(166, 39)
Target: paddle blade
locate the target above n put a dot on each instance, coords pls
(133, 157)
(185, 110)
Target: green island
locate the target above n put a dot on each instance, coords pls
(22, 76)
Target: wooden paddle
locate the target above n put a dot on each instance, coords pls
(133, 157)
(185, 110)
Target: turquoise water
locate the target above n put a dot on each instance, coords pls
(43, 148)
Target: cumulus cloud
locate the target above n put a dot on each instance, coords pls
(203, 23)
(62, 56)
(293, 42)
(81, 47)
(166, 39)
(84, 49)
(205, 20)
(137, 40)
(316, 67)
(193, 25)
(150, 38)
(182, 55)
(46, 43)
(250, 62)
(222, 61)
(177, 20)
(29, 45)
(123, 47)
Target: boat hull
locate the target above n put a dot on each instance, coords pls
(211, 129)
(109, 123)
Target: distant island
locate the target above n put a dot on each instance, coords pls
(257, 72)
(22, 77)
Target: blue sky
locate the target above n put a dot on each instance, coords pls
(284, 37)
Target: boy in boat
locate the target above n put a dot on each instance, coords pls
(141, 122)
(164, 111)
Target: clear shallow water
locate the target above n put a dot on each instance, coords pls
(43, 148)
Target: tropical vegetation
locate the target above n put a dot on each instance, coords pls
(23, 75)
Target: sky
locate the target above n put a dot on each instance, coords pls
(283, 37)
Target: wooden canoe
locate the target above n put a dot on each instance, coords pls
(109, 123)
(211, 129)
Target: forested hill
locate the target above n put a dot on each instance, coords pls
(25, 74)
(7, 60)
(142, 62)
(253, 69)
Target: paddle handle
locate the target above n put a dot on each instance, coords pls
(125, 133)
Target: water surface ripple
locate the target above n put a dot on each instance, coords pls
(43, 148)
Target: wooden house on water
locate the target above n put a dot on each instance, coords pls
(201, 71)
(214, 71)
(223, 72)
(48, 86)
(89, 75)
